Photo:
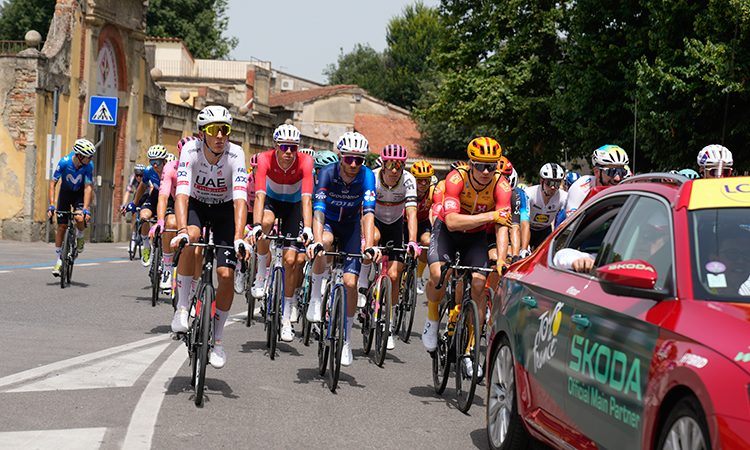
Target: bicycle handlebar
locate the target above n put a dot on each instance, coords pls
(450, 265)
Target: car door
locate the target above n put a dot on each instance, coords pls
(611, 343)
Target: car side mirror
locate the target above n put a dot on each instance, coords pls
(633, 278)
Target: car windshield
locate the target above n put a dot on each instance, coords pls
(720, 249)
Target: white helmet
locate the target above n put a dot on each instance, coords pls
(286, 134)
(713, 155)
(213, 114)
(551, 171)
(84, 147)
(609, 154)
(513, 179)
(353, 143)
(157, 152)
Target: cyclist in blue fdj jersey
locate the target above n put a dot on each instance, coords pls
(157, 155)
(344, 202)
(76, 171)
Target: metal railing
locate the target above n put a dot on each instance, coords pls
(13, 47)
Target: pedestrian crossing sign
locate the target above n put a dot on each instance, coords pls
(103, 110)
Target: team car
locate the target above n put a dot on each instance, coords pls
(650, 349)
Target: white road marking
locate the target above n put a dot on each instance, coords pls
(121, 371)
(5, 271)
(39, 372)
(78, 438)
(86, 264)
(42, 268)
(120, 261)
(122, 248)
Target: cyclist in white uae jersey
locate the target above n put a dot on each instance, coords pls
(545, 200)
(609, 163)
(211, 186)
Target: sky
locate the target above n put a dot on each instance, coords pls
(302, 37)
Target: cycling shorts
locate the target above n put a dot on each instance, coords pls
(422, 227)
(221, 217)
(66, 200)
(392, 233)
(444, 244)
(492, 238)
(170, 206)
(349, 235)
(151, 202)
(291, 220)
(538, 236)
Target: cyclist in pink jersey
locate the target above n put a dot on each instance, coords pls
(239, 276)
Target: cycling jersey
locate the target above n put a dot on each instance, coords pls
(541, 216)
(150, 177)
(133, 183)
(169, 179)
(219, 183)
(391, 202)
(341, 202)
(578, 192)
(250, 192)
(425, 204)
(524, 211)
(437, 198)
(284, 185)
(73, 179)
(461, 197)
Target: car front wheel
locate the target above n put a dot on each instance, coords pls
(504, 428)
(685, 428)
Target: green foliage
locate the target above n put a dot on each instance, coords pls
(200, 23)
(17, 17)
(363, 66)
(370, 159)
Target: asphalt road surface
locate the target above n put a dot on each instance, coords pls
(95, 366)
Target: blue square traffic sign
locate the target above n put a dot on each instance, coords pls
(103, 110)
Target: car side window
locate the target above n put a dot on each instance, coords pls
(645, 235)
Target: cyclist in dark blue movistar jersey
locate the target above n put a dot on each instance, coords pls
(343, 190)
(76, 171)
(157, 156)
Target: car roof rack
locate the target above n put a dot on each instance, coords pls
(658, 177)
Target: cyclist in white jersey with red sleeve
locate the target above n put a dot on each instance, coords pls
(609, 163)
(211, 186)
(545, 200)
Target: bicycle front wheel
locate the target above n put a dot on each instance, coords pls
(204, 342)
(277, 296)
(249, 278)
(155, 271)
(338, 327)
(408, 305)
(441, 357)
(368, 329)
(306, 295)
(64, 258)
(323, 342)
(467, 354)
(383, 319)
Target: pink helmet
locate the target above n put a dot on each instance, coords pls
(393, 151)
(254, 160)
(184, 141)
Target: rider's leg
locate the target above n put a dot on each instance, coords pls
(146, 215)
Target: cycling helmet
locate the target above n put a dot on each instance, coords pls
(393, 151)
(184, 141)
(513, 179)
(551, 171)
(286, 134)
(353, 143)
(484, 149)
(308, 151)
(323, 158)
(523, 186)
(84, 147)
(378, 163)
(422, 169)
(571, 178)
(157, 152)
(170, 157)
(254, 160)
(609, 154)
(629, 174)
(213, 114)
(713, 155)
(456, 164)
(434, 180)
(138, 169)
(503, 164)
(690, 173)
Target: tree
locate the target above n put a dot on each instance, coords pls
(362, 66)
(200, 23)
(17, 17)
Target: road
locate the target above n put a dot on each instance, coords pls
(94, 366)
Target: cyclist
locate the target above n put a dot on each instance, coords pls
(322, 159)
(545, 200)
(609, 163)
(473, 198)
(157, 155)
(715, 161)
(133, 182)
(76, 171)
(503, 252)
(423, 173)
(283, 190)
(239, 278)
(395, 202)
(570, 178)
(211, 186)
(344, 206)
(690, 173)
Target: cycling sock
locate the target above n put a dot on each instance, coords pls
(262, 261)
(394, 311)
(193, 285)
(183, 291)
(146, 242)
(58, 250)
(221, 319)
(433, 311)
(317, 285)
(132, 235)
(79, 233)
(363, 272)
(168, 261)
(349, 322)
(420, 269)
(288, 303)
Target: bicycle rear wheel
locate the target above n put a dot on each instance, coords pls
(64, 258)
(155, 270)
(368, 329)
(175, 294)
(249, 278)
(277, 297)
(338, 327)
(323, 342)
(408, 305)
(204, 342)
(383, 320)
(306, 295)
(441, 357)
(195, 327)
(467, 348)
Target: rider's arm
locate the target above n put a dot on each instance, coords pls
(307, 190)
(182, 194)
(87, 190)
(410, 206)
(239, 194)
(141, 189)
(52, 186)
(261, 184)
(454, 220)
(368, 208)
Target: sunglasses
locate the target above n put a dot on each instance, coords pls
(156, 162)
(288, 147)
(356, 160)
(716, 173)
(552, 183)
(391, 164)
(490, 167)
(423, 180)
(614, 171)
(213, 129)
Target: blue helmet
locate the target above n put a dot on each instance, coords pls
(571, 178)
(323, 158)
(690, 173)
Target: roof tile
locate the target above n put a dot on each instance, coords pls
(383, 130)
(289, 97)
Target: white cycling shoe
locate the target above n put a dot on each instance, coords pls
(468, 368)
(287, 333)
(346, 354)
(391, 343)
(180, 321)
(239, 281)
(429, 335)
(313, 310)
(218, 356)
(420, 286)
(259, 286)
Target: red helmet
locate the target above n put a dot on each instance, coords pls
(394, 151)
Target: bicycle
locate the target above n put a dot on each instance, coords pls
(135, 244)
(156, 270)
(331, 332)
(459, 334)
(250, 274)
(304, 304)
(407, 298)
(199, 338)
(69, 251)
